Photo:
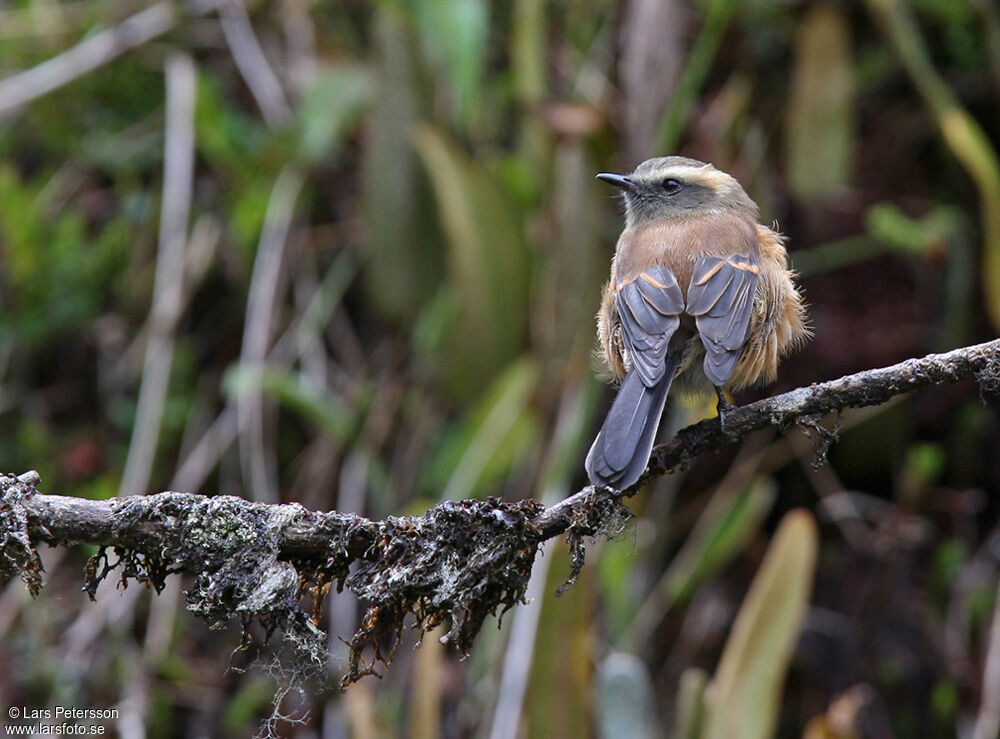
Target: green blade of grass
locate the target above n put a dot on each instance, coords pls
(744, 697)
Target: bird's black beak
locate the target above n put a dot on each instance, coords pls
(618, 180)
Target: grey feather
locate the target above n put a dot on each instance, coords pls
(649, 313)
(668, 300)
(719, 365)
(645, 329)
(720, 297)
(620, 453)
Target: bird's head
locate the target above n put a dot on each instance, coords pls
(678, 187)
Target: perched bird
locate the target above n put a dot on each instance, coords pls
(700, 296)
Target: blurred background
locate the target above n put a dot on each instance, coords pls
(348, 254)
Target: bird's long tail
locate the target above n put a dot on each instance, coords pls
(620, 453)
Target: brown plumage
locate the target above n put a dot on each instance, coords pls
(700, 295)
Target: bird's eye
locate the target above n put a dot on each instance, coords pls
(671, 185)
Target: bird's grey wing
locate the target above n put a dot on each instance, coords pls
(720, 297)
(649, 308)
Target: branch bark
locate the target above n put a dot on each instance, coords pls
(805, 406)
(456, 564)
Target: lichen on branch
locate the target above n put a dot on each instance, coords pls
(457, 564)
(256, 563)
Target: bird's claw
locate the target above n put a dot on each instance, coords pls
(723, 408)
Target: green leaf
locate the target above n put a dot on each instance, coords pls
(231, 141)
(963, 135)
(336, 416)
(248, 208)
(945, 700)
(56, 274)
(331, 107)
(820, 141)
(722, 532)
(690, 703)
(487, 260)
(492, 439)
(454, 35)
(744, 696)
(887, 223)
(924, 465)
(404, 244)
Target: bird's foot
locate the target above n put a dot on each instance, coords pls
(723, 408)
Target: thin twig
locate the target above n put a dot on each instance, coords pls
(518, 657)
(517, 660)
(252, 63)
(867, 388)
(178, 181)
(204, 454)
(259, 474)
(300, 41)
(988, 721)
(96, 51)
(65, 519)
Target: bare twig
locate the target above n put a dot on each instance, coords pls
(252, 63)
(518, 657)
(216, 439)
(458, 563)
(257, 331)
(868, 388)
(300, 40)
(178, 177)
(557, 473)
(91, 53)
(652, 58)
(988, 721)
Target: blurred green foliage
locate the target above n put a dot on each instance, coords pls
(745, 693)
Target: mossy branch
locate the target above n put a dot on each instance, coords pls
(456, 564)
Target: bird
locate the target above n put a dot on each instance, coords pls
(700, 298)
